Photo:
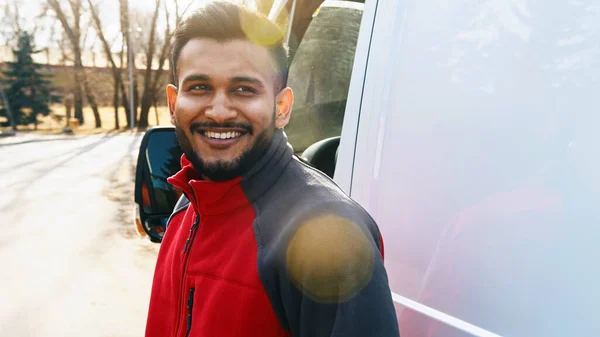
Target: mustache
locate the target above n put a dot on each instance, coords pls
(228, 125)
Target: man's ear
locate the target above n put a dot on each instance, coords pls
(283, 107)
(171, 100)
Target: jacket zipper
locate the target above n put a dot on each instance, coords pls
(190, 305)
(188, 242)
(190, 236)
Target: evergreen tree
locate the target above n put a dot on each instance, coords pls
(28, 92)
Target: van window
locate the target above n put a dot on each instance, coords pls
(320, 73)
(486, 179)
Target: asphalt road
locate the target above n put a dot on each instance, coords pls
(70, 261)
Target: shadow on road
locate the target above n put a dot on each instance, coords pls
(39, 140)
(105, 137)
(23, 186)
(121, 188)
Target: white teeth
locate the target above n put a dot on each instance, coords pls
(222, 135)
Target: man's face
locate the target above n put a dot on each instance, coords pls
(225, 107)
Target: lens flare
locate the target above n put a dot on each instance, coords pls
(259, 33)
(330, 259)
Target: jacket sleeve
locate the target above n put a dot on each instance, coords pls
(332, 280)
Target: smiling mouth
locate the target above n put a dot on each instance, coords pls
(221, 134)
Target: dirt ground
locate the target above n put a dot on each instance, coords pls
(55, 122)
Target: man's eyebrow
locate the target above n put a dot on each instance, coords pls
(247, 79)
(195, 77)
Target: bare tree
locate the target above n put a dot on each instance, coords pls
(11, 22)
(178, 17)
(155, 48)
(151, 83)
(125, 31)
(164, 53)
(74, 34)
(148, 93)
(119, 85)
(126, 105)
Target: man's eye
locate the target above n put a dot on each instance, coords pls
(245, 90)
(202, 87)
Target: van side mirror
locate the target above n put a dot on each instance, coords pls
(159, 158)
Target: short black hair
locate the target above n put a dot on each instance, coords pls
(224, 21)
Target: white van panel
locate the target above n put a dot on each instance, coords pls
(478, 154)
(345, 159)
(376, 95)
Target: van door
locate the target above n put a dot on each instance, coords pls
(477, 154)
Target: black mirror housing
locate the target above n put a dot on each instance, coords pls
(159, 158)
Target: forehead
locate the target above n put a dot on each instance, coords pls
(226, 58)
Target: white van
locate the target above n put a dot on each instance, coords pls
(468, 130)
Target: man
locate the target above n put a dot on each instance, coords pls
(261, 245)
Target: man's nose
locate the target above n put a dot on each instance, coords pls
(221, 109)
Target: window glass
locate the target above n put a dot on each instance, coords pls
(320, 73)
(163, 154)
(487, 189)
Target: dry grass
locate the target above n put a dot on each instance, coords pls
(55, 122)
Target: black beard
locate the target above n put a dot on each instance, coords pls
(223, 170)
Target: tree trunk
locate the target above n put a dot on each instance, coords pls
(156, 110)
(146, 105)
(91, 100)
(125, 103)
(136, 95)
(68, 107)
(148, 93)
(74, 33)
(124, 100)
(123, 8)
(82, 79)
(78, 99)
(9, 112)
(67, 117)
(116, 101)
(177, 22)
